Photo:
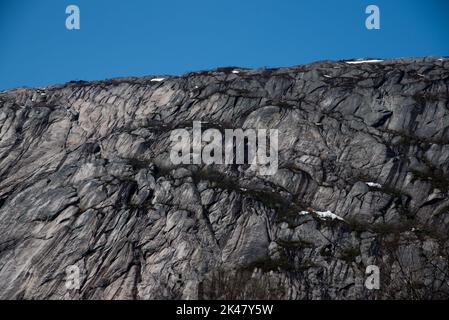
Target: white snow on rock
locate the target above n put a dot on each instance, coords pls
(157, 79)
(374, 185)
(323, 215)
(364, 61)
(235, 71)
(328, 214)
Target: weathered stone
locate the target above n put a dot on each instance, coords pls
(86, 181)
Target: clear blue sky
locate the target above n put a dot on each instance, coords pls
(145, 37)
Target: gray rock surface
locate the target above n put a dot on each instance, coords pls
(86, 181)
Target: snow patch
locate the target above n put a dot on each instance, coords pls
(323, 215)
(373, 185)
(157, 79)
(328, 214)
(235, 71)
(364, 61)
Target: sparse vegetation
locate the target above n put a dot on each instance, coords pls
(267, 264)
(391, 228)
(422, 98)
(218, 179)
(350, 254)
(286, 210)
(436, 178)
(239, 285)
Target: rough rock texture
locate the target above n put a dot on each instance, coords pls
(86, 180)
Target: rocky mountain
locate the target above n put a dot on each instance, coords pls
(87, 185)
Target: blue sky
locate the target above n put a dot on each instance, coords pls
(146, 37)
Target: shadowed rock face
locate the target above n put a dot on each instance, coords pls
(86, 180)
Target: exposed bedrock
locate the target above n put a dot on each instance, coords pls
(86, 180)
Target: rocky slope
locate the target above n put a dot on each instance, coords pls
(86, 181)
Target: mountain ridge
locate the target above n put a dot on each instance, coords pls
(86, 180)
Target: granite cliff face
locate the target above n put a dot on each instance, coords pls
(86, 181)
